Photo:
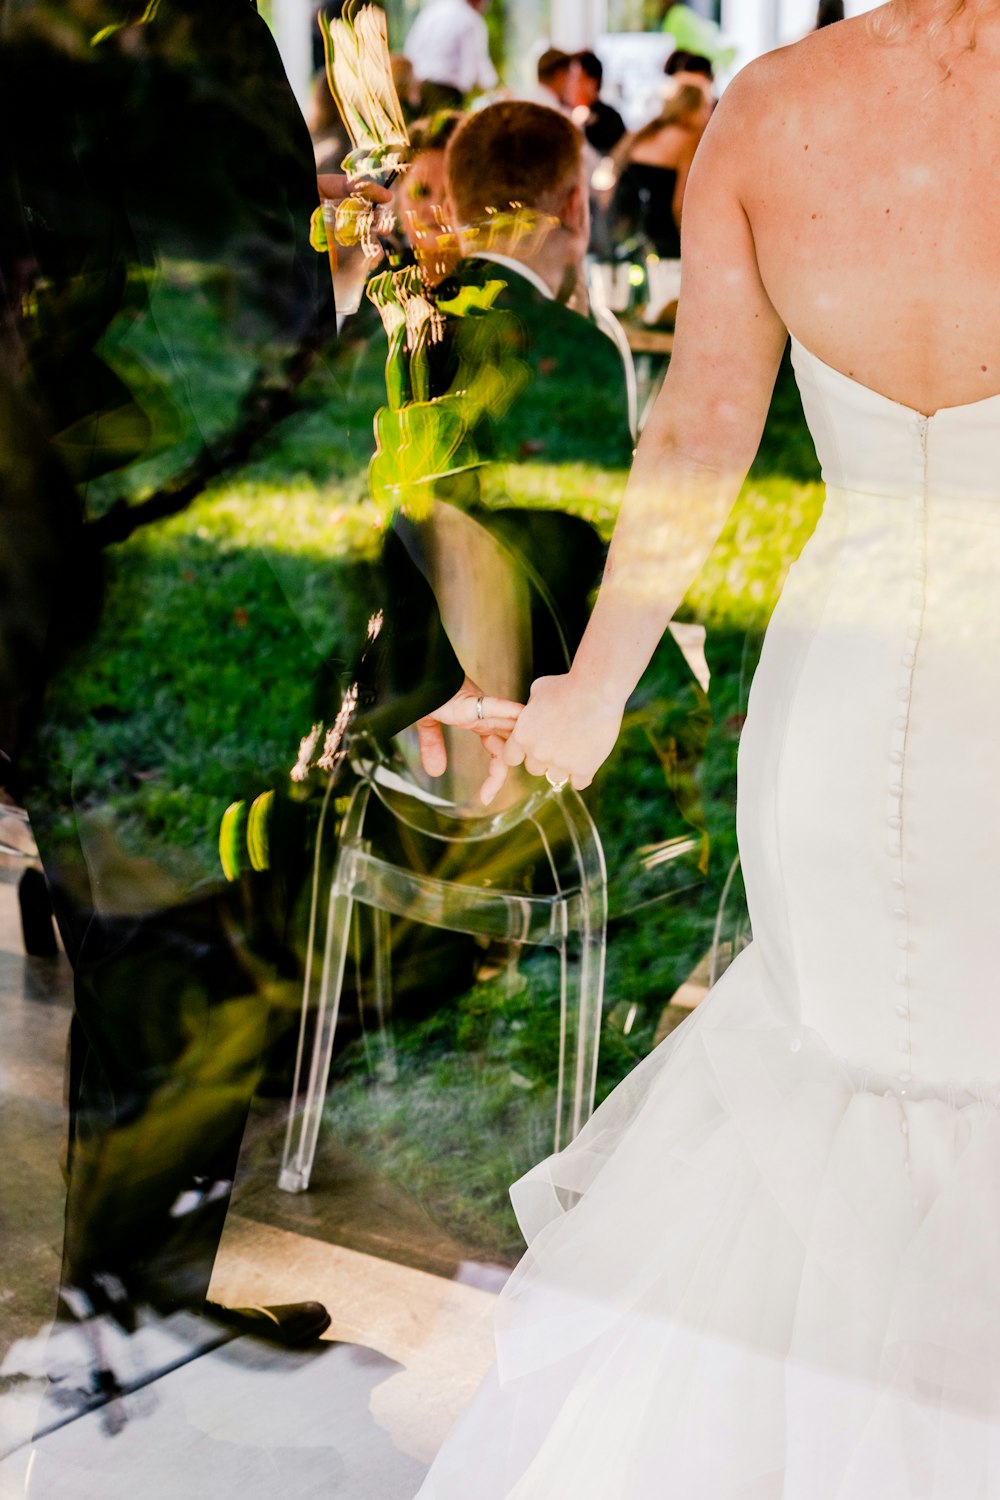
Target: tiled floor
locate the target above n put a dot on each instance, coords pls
(358, 1418)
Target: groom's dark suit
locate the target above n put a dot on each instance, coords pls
(171, 141)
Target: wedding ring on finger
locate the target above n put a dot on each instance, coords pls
(555, 781)
(480, 708)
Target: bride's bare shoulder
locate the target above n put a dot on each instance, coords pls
(802, 75)
(798, 90)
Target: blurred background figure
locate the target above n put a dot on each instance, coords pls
(602, 125)
(423, 208)
(407, 85)
(554, 75)
(828, 13)
(448, 49)
(654, 167)
(690, 69)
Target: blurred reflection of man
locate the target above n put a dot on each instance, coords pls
(141, 144)
(448, 47)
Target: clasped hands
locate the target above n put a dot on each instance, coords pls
(565, 732)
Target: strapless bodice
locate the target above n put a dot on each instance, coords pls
(868, 796)
(870, 444)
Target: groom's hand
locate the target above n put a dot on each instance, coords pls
(334, 186)
(492, 719)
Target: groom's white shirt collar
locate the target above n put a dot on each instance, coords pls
(511, 263)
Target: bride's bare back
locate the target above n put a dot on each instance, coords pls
(868, 174)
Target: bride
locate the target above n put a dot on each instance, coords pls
(770, 1265)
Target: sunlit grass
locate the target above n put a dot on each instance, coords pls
(738, 587)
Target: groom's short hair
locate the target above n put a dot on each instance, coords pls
(513, 153)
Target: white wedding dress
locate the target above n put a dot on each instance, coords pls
(769, 1268)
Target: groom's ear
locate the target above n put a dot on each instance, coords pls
(574, 214)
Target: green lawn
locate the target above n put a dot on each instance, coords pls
(217, 622)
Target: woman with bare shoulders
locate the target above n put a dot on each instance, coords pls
(654, 165)
(767, 1269)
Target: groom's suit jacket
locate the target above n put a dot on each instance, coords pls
(157, 165)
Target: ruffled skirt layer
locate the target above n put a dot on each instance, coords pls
(760, 1273)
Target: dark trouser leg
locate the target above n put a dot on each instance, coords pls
(165, 1055)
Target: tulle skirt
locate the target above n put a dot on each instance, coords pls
(760, 1273)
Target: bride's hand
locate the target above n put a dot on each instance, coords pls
(566, 732)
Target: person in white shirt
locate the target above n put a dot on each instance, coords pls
(448, 47)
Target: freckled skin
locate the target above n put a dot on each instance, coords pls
(918, 158)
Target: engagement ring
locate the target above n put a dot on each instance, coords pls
(555, 782)
(480, 715)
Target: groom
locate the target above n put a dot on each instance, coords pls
(145, 139)
(141, 139)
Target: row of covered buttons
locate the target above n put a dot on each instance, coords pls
(897, 760)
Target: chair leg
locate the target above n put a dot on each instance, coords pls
(382, 966)
(568, 1002)
(297, 1163)
(583, 961)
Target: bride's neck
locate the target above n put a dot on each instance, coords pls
(957, 16)
(948, 29)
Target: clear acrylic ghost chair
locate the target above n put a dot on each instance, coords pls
(731, 933)
(571, 918)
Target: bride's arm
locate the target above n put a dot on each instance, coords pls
(694, 455)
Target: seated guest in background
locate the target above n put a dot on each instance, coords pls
(654, 166)
(554, 77)
(600, 122)
(576, 376)
(448, 47)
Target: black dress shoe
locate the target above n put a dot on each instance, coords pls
(293, 1325)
